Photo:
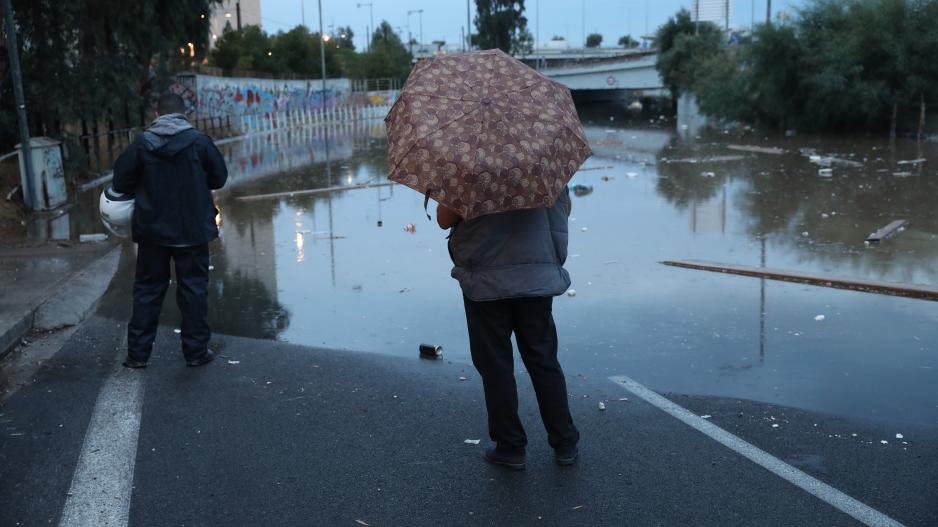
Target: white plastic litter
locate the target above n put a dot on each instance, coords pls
(819, 318)
(631, 175)
(571, 293)
(472, 441)
(177, 331)
(774, 425)
(706, 416)
(899, 436)
(708, 174)
(883, 441)
(825, 172)
(602, 406)
(234, 362)
(463, 378)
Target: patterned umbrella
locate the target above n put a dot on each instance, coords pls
(482, 133)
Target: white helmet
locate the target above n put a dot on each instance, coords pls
(116, 211)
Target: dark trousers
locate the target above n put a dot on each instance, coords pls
(531, 320)
(150, 285)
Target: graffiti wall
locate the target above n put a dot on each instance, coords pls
(219, 96)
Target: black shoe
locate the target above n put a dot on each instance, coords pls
(493, 456)
(566, 456)
(202, 359)
(135, 364)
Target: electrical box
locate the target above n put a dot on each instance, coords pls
(47, 190)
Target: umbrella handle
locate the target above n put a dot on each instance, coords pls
(426, 202)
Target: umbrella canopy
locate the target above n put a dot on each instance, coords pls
(482, 133)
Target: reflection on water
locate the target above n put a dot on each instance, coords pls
(337, 269)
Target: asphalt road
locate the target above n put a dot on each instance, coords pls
(277, 434)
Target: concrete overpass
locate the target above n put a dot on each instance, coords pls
(621, 74)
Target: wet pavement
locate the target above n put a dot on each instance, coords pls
(339, 270)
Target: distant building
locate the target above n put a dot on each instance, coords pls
(720, 12)
(238, 13)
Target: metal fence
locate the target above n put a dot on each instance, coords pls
(98, 151)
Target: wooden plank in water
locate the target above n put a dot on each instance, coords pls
(314, 191)
(757, 149)
(923, 292)
(887, 231)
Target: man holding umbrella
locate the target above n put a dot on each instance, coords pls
(495, 143)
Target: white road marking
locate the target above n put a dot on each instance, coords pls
(862, 512)
(103, 481)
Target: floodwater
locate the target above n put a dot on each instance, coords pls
(338, 269)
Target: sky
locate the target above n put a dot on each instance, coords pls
(442, 19)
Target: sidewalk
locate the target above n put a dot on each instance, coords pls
(49, 286)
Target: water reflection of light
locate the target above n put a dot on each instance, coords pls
(298, 241)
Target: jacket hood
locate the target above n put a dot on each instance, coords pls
(169, 134)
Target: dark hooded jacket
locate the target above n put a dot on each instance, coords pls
(172, 169)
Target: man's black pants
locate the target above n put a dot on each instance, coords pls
(531, 320)
(150, 285)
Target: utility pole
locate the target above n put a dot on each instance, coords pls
(371, 18)
(768, 12)
(696, 17)
(238, 13)
(537, 26)
(420, 15)
(20, 101)
(468, 29)
(303, 12)
(322, 60)
(583, 21)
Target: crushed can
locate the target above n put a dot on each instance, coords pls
(429, 351)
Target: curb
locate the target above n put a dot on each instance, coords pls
(60, 308)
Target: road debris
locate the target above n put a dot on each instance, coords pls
(429, 351)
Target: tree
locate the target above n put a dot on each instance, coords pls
(523, 44)
(98, 60)
(388, 58)
(628, 42)
(593, 40)
(499, 23)
(683, 45)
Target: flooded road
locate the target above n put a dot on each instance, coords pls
(338, 270)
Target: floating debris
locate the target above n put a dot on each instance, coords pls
(888, 231)
(911, 161)
(708, 174)
(410, 227)
(706, 416)
(825, 172)
(819, 318)
(472, 441)
(234, 362)
(571, 293)
(581, 190)
(757, 149)
(899, 436)
(602, 406)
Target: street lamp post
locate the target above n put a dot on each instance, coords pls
(420, 15)
(371, 18)
(20, 101)
(322, 60)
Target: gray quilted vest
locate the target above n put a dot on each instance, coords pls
(514, 254)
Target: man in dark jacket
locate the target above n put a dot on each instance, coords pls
(510, 266)
(172, 169)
